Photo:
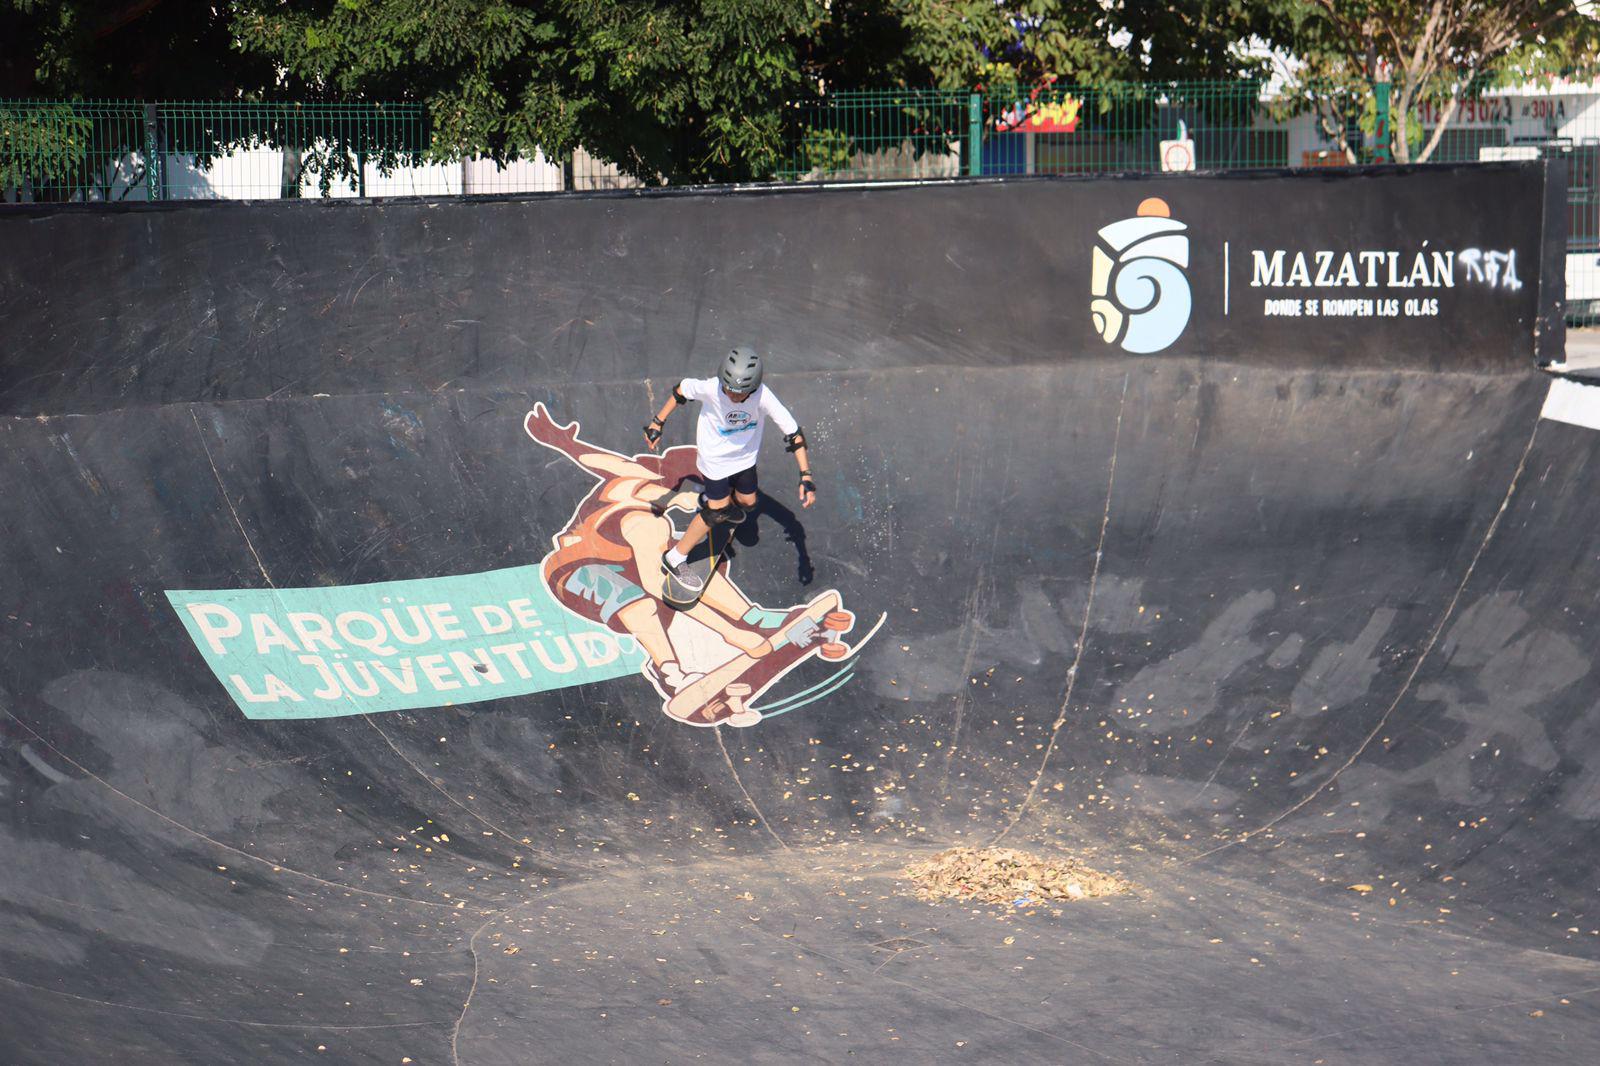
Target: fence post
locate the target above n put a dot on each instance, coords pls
(154, 155)
(1380, 125)
(975, 135)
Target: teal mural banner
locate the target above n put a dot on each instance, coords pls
(395, 645)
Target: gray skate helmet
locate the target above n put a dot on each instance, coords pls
(741, 370)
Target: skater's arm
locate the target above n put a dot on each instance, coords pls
(808, 487)
(652, 432)
(598, 461)
(666, 411)
(794, 439)
(564, 439)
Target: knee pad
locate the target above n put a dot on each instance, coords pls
(717, 516)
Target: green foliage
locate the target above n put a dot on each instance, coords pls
(61, 151)
(1004, 44)
(681, 90)
(1113, 59)
(960, 44)
(710, 90)
(1436, 53)
(125, 49)
(826, 151)
(1188, 40)
(675, 89)
(41, 141)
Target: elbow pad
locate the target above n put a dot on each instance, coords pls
(683, 401)
(795, 441)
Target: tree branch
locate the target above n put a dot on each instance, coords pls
(1438, 131)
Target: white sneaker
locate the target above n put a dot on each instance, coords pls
(673, 678)
(681, 573)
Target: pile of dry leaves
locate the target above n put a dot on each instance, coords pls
(1008, 876)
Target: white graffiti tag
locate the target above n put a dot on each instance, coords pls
(1493, 268)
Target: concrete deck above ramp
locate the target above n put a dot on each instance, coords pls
(314, 745)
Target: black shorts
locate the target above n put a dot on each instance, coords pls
(744, 482)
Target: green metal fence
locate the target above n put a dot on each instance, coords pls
(117, 150)
(1054, 129)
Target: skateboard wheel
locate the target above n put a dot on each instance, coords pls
(838, 621)
(735, 695)
(833, 650)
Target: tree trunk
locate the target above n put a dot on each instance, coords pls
(1336, 129)
(1445, 116)
(1400, 123)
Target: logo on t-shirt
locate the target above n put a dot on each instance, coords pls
(737, 422)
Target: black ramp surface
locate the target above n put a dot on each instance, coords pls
(1286, 617)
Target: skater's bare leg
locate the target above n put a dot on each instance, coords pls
(722, 597)
(647, 535)
(739, 636)
(697, 527)
(640, 619)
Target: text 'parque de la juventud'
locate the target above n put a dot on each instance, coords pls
(329, 646)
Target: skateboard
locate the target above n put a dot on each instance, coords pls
(720, 696)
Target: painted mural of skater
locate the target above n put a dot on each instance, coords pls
(710, 652)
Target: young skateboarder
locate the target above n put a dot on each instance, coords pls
(734, 409)
(606, 568)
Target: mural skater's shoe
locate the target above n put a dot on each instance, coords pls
(669, 677)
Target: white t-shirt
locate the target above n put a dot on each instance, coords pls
(728, 434)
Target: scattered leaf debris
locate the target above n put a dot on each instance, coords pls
(1007, 875)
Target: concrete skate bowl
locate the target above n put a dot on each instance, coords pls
(1287, 618)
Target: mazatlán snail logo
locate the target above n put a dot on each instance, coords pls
(1141, 296)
